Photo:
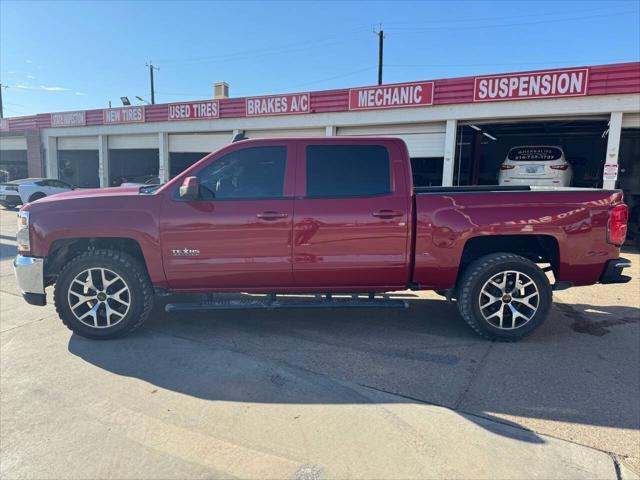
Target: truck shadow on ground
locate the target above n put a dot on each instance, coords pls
(7, 251)
(424, 355)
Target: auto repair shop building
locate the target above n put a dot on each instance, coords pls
(458, 130)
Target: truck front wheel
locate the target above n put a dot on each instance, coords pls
(503, 296)
(103, 294)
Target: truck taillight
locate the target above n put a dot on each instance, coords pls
(559, 167)
(617, 226)
(507, 167)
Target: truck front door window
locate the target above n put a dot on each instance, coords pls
(249, 173)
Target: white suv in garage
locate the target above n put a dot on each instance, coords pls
(539, 165)
(19, 192)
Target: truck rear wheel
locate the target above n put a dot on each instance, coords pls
(503, 296)
(103, 294)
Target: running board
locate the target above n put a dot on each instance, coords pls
(272, 303)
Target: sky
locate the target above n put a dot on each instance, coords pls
(59, 55)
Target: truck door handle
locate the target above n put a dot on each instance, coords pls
(387, 214)
(271, 215)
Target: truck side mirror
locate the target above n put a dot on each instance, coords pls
(190, 189)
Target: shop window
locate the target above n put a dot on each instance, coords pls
(427, 171)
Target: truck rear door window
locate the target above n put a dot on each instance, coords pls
(347, 170)
(256, 172)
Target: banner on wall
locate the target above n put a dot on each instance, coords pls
(520, 86)
(416, 94)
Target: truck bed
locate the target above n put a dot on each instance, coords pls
(569, 223)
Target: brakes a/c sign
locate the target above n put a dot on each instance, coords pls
(278, 105)
(391, 96)
(521, 86)
(194, 110)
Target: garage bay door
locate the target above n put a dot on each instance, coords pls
(631, 120)
(78, 143)
(423, 141)
(296, 132)
(133, 141)
(13, 143)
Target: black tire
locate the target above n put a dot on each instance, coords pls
(36, 196)
(129, 269)
(487, 268)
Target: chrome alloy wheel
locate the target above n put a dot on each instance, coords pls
(99, 297)
(509, 300)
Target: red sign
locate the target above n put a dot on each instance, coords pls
(391, 96)
(124, 115)
(68, 119)
(519, 86)
(194, 110)
(278, 105)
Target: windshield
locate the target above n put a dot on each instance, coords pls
(150, 188)
(24, 180)
(518, 154)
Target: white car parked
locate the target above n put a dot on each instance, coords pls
(539, 165)
(19, 192)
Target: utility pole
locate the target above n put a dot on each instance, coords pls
(152, 67)
(1, 108)
(380, 34)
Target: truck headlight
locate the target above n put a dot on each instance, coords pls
(22, 234)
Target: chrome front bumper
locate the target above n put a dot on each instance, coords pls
(29, 273)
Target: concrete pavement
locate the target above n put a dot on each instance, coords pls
(317, 394)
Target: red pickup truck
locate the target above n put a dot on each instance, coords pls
(334, 218)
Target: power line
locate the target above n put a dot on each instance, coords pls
(260, 51)
(547, 62)
(284, 88)
(474, 20)
(518, 24)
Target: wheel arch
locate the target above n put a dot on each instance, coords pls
(38, 193)
(538, 248)
(63, 250)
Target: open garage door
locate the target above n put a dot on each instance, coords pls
(629, 174)
(187, 148)
(13, 158)
(78, 161)
(483, 147)
(133, 159)
(424, 141)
